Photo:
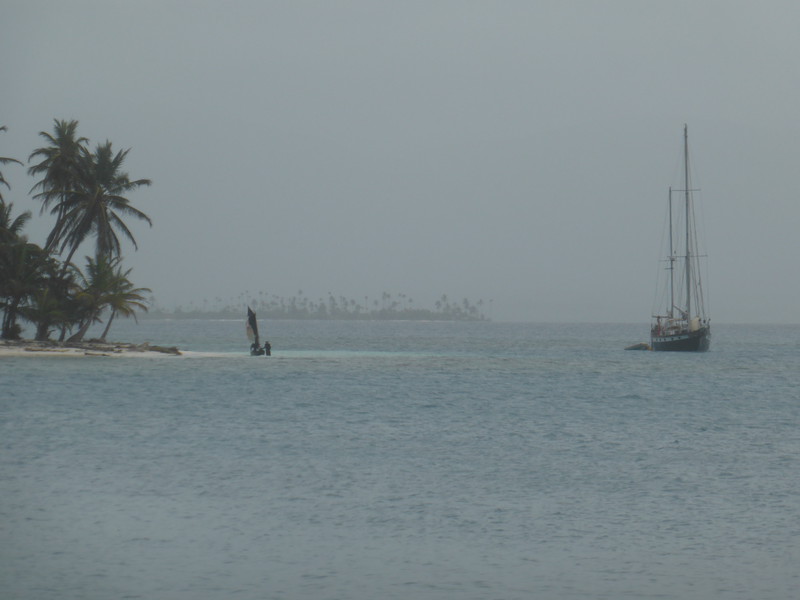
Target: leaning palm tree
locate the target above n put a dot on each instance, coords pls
(5, 161)
(124, 299)
(93, 287)
(60, 162)
(106, 285)
(96, 206)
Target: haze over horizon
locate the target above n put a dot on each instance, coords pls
(514, 152)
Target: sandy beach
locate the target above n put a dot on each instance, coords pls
(90, 348)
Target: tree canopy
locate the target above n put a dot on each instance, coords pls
(86, 191)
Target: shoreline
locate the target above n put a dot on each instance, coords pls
(88, 348)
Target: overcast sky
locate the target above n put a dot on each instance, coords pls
(518, 152)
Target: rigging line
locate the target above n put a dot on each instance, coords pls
(661, 290)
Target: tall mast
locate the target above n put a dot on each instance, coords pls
(688, 246)
(671, 262)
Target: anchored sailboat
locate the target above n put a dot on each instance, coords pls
(681, 323)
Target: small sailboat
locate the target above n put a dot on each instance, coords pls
(681, 322)
(251, 327)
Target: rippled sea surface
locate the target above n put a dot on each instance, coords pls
(404, 460)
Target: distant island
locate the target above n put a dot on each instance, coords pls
(386, 307)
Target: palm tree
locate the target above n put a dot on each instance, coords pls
(124, 299)
(5, 161)
(20, 277)
(46, 311)
(96, 205)
(61, 162)
(18, 267)
(53, 305)
(93, 287)
(11, 229)
(106, 285)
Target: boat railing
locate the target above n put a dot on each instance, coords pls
(669, 327)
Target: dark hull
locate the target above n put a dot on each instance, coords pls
(694, 341)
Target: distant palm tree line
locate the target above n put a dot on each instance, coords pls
(85, 190)
(385, 306)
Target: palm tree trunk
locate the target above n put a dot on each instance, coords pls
(42, 331)
(65, 268)
(4, 326)
(108, 325)
(10, 320)
(78, 336)
(55, 234)
(5, 315)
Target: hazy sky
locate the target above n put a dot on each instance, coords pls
(513, 151)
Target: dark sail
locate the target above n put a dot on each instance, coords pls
(252, 335)
(252, 327)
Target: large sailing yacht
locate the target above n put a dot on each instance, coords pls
(681, 322)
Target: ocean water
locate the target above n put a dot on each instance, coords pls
(401, 460)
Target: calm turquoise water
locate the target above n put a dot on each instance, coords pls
(404, 460)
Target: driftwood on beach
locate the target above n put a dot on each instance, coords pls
(89, 348)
